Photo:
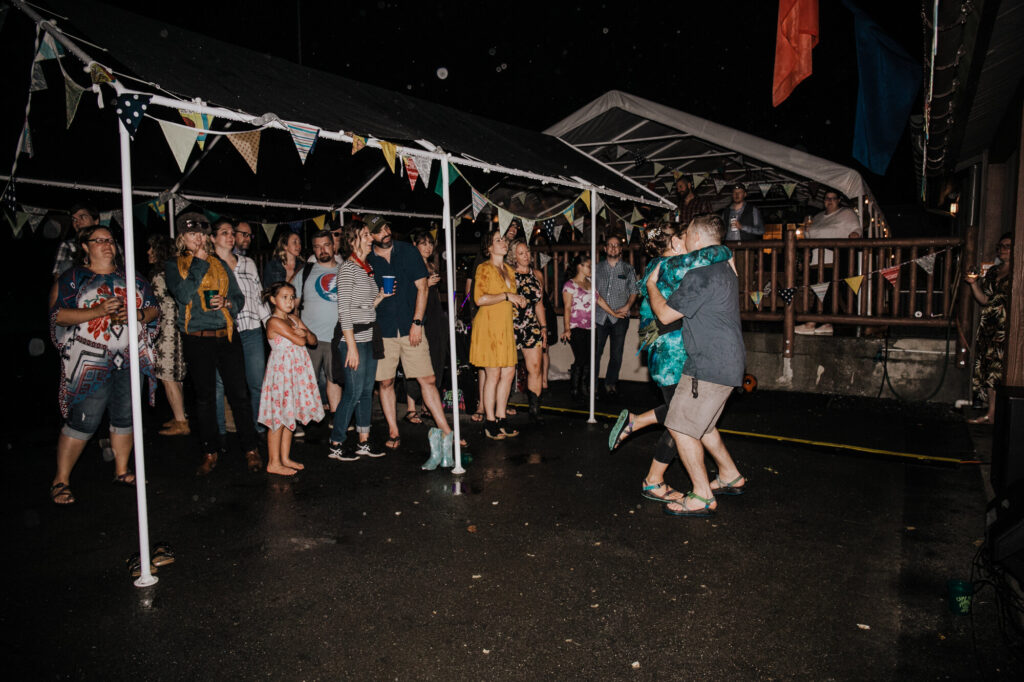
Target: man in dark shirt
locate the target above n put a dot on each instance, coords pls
(689, 204)
(400, 319)
(707, 301)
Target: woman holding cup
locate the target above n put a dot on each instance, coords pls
(993, 293)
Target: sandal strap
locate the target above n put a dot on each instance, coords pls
(730, 484)
(707, 502)
(653, 486)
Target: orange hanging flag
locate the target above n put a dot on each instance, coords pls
(795, 36)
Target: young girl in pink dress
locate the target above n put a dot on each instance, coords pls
(289, 393)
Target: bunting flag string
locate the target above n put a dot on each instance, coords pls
(820, 290)
(756, 297)
(201, 122)
(479, 201)
(504, 218)
(927, 263)
(9, 199)
(181, 140)
(544, 259)
(72, 96)
(269, 229)
(38, 79)
(25, 144)
(765, 187)
(423, 167)
(49, 48)
(891, 274)
(629, 233)
(158, 207)
(388, 149)
(719, 184)
(789, 187)
(855, 282)
(787, 293)
(319, 220)
(34, 220)
(568, 213)
(358, 142)
(130, 107)
(558, 231)
(676, 175)
(528, 226)
(18, 222)
(411, 171)
(636, 216)
(99, 74)
(699, 178)
(248, 145)
(768, 288)
(585, 198)
(304, 137)
(620, 151)
(658, 167)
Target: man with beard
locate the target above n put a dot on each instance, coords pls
(690, 205)
(318, 299)
(400, 319)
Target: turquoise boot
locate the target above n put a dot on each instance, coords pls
(436, 438)
(448, 450)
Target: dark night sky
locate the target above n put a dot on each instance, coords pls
(533, 64)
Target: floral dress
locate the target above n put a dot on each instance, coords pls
(168, 355)
(989, 368)
(526, 324)
(290, 393)
(666, 353)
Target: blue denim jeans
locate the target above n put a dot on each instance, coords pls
(357, 397)
(255, 367)
(617, 332)
(115, 397)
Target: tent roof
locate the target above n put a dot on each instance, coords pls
(689, 144)
(185, 65)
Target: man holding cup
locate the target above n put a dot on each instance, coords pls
(742, 219)
(400, 318)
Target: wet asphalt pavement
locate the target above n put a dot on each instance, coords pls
(541, 562)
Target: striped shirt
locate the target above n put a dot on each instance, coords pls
(255, 311)
(356, 291)
(615, 284)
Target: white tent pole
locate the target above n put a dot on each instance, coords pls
(146, 578)
(449, 240)
(170, 217)
(593, 301)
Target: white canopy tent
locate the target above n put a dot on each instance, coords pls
(422, 150)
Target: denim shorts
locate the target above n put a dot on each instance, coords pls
(115, 397)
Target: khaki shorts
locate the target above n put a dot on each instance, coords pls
(320, 356)
(415, 359)
(694, 417)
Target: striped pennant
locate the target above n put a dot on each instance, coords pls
(304, 137)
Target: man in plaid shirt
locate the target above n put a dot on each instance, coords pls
(82, 216)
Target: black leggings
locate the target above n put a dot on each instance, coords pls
(665, 448)
(579, 341)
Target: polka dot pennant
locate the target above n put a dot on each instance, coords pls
(130, 107)
(786, 293)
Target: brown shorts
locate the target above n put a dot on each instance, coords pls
(415, 359)
(696, 416)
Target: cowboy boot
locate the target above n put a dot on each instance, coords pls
(534, 410)
(436, 438)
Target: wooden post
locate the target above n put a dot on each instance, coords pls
(790, 264)
(1015, 315)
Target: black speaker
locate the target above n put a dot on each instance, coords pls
(1008, 439)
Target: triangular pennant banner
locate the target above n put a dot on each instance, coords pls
(698, 178)
(433, 234)
(49, 48)
(504, 218)
(765, 187)
(201, 122)
(676, 175)
(620, 151)
(719, 184)
(891, 274)
(820, 289)
(158, 207)
(304, 137)
(767, 288)
(213, 216)
(927, 262)
(180, 140)
(558, 231)
(269, 229)
(789, 187)
(38, 79)
(9, 200)
(578, 223)
(528, 227)
(543, 259)
(18, 224)
(319, 221)
(658, 167)
(141, 213)
(248, 145)
(130, 107)
(629, 233)
(411, 171)
(855, 282)
(423, 166)
(669, 185)
(585, 198)
(598, 203)
(786, 294)
(756, 298)
(358, 142)
(25, 145)
(98, 74)
(637, 217)
(34, 222)
(388, 148)
(72, 96)
(105, 217)
(479, 201)
(569, 213)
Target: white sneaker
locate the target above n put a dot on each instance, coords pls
(823, 330)
(807, 328)
(364, 449)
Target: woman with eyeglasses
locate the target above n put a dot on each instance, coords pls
(993, 293)
(209, 300)
(89, 326)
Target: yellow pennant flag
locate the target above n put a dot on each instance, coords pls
(358, 142)
(319, 221)
(855, 283)
(389, 153)
(586, 198)
(433, 234)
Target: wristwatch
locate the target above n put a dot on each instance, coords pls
(418, 323)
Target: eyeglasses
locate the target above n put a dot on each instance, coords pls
(197, 223)
(239, 233)
(831, 198)
(101, 240)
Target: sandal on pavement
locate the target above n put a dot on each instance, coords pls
(162, 555)
(620, 432)
(706, 510)
(729, 488)
(127, 479)
(648, 491)
(412, 417)
(61, 494)
(478, 417)
(393, 443)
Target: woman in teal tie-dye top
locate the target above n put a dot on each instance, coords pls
(666, 353)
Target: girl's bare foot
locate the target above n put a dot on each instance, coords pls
(298, 466)
(280, 470)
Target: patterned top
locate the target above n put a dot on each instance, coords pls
(525, 322)
(616, 283)
(686, 212)
(990, 350)
(168, 353)
(579, 314)
(91, 351)
(255, 312)
(356, 291)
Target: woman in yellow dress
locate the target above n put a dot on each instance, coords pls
(493, 344)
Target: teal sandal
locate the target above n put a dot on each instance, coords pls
(648, 491)
(729, 488)
(705, 511)
(620, 432)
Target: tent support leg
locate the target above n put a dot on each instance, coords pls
(146, 578)
(593, 303)
(449, 241)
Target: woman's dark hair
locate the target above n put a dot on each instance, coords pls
(1006, 235)
(274, 289)
(487, 242)
(659, 237)
(163, 250)
(420, 235)
(575, 263)
(349, 236)
(279, 245)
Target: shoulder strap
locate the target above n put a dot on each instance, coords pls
(306, 269)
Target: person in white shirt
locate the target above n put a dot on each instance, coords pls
(835, 222)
